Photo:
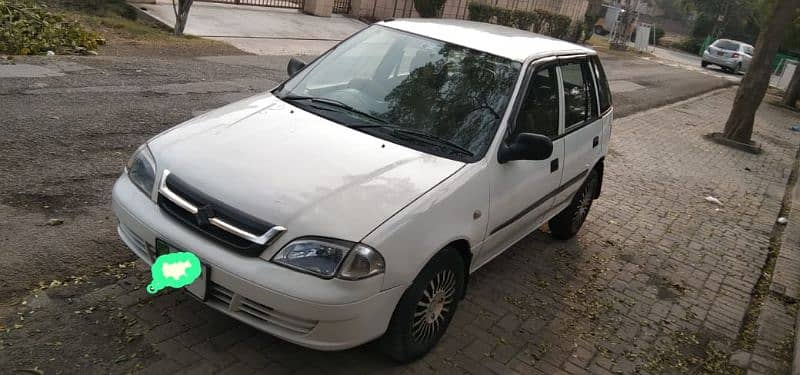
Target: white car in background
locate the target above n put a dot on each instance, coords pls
(730, 55)
(352, 202)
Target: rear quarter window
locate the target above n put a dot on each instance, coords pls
(603, 90)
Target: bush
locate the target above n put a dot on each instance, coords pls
(429, 8)
(27, 28)
(691, 45)
(538, 21)
(659, 33)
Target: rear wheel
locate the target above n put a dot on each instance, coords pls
(737, 69)
(426, 308)
(568, 222)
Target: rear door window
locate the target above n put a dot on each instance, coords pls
(580, 103)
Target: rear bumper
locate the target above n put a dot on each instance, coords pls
(726, 62)
(303, 309)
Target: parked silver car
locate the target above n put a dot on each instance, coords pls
(730, 55)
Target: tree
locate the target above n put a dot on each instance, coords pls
(429, 8)
(739, 126)
(181, 10)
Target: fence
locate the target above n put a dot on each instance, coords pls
(380, 9)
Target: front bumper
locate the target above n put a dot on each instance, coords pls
(727, 62)
(303, 309)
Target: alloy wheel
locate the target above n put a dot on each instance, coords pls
(432, 309)
(584, 204)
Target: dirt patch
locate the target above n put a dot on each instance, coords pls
(108, 341)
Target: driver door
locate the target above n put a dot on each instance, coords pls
(522, 191)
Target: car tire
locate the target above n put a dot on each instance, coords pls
(737, 69)
(599, 30)
(426, 308)
(568, 222)
(704, 64)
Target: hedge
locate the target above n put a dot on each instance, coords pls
(537, 21)
(27, 28)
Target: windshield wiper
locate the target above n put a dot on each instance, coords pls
(333, 103)
(419, 134)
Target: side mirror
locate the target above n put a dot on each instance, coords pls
(526, 146)
(294, 66)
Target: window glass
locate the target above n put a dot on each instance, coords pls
(726, 45)
(602, 85)
(412, 90)
(539, 112)
(576, 100)
(748, 50)
(589, 79)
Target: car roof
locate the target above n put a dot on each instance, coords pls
(734, 41)
(498, 40)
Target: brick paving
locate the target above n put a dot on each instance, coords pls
(658, 280)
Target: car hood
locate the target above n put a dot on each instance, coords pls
(295, 169)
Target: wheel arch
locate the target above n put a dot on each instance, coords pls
(599, 167)
(464, 250)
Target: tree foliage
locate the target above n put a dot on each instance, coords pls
(27, 28)
(429, 8)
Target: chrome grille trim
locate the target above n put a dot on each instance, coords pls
(262, 239)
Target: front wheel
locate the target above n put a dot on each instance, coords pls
(704, 64)
(568, 222)
(426, 308)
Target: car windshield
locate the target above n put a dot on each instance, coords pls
(426, 94)
(727, 45)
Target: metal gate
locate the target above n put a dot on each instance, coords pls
(290, 4)
(341, 6)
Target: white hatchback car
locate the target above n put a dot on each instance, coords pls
(352, 202)
(730, 55)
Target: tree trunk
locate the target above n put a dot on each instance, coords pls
(754, 85)
(793, 91)
(181, 14)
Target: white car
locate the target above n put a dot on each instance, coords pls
(730, 55)
(352, 202)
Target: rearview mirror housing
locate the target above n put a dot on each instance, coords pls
(294, 66)
(526, 146)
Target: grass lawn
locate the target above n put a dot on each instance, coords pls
(126, 34)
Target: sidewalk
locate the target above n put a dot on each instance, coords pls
(659, 280)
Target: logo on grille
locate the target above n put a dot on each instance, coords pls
(203, 214)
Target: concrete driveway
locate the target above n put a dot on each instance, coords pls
(261, 30)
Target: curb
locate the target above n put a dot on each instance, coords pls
(140, 12)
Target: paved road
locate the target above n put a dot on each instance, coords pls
(261, 30)
(70, 123)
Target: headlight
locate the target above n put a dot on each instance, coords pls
(323, 257)
(142, 169)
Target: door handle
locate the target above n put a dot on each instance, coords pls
(554, 165)
(595, 141)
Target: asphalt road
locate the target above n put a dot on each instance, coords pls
(68, 125)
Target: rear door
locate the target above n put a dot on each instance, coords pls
(583, 128)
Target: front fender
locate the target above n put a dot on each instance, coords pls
(446, 213)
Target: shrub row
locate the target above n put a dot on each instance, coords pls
(27, 28)
(538, 21)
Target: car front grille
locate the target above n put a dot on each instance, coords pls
(256, 313)
(239, 231)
